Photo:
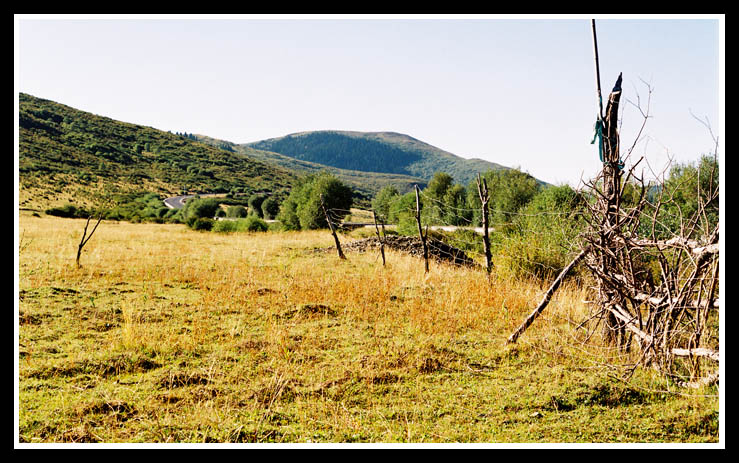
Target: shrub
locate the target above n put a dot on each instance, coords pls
(251, 223)
(68, 211)
(225, 226)
(255, 224)
(202, 223)
(236, 212)
(288, 216)
(541, 239)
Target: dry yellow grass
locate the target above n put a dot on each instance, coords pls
(171, 335)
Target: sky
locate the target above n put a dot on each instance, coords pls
(517, 91)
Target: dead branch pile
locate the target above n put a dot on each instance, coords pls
(413, 246)
(655, 285)
(672, 315)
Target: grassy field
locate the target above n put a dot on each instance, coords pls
(170, 335)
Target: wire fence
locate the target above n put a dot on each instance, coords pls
(438, 215)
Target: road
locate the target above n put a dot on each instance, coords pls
(178, 202)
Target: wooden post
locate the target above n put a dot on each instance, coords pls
(482, 190)
(610, 203)
(611, 160)
(379, 238)
(597, 69)
(333, 232)
(420, 230)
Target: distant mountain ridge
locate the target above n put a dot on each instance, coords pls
(366, 184)
(69, 155)
(382, 152)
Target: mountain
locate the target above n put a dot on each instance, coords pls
(67, 155)
(382, 152)
(367, 184)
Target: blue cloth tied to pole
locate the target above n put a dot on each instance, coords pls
(598, 135)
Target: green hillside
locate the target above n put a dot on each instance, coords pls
(382, 152)
(67, 155)
(365, 183)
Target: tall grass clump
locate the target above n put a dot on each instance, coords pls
(543, 235)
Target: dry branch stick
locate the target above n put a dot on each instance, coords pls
(547, 297)
(629, 324)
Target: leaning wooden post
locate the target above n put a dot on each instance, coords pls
(379, 238)
(612, 165)
(420, 231)
(333, 231)
(86, 238)
(547, 297)
(482, 190)
(609, 203)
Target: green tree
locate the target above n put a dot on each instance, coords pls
(288, 215)
(690, 200)
(455, 210)
(435, 192)
(337, 199)
(510, 190)
(302, 209)
(383, 199)
(270, 208)
(199, 208)
(403, 213)
(255, 204)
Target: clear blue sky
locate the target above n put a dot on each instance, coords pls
(519, 92)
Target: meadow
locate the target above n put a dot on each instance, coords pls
(169, 335)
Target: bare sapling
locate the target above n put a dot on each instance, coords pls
(85, 237)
